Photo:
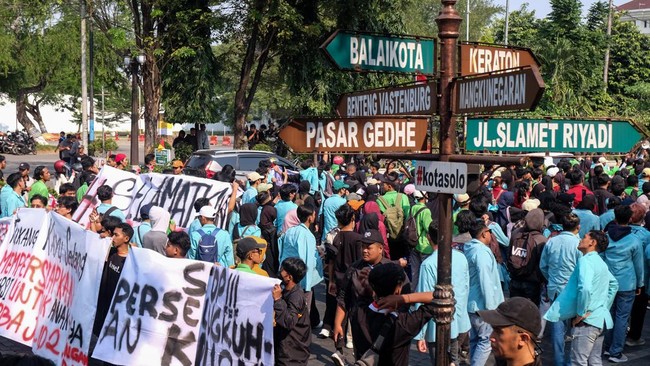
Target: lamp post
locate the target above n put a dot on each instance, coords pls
(133, 65)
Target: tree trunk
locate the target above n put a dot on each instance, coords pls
(35, 111)
(22, 104)
(152, 91)
(244, 95)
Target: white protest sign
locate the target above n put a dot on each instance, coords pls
(21, 275)
(155, 314)
(441, 177)
(174, 193)
(237, 325)
(72, 270)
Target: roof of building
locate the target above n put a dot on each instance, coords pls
(634, 5)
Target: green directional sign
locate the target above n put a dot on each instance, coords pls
(553, 135)
(369, 52)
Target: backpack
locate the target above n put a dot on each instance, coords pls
(393, 216)
(410, 231)
(208, 247)
(522, 254)
(107, 213)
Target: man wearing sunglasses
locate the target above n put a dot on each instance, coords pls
(484, 290)
(177, 167)
(249, 252)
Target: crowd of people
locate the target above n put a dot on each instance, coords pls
(563, 246)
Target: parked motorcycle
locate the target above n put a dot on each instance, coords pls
(17, 143)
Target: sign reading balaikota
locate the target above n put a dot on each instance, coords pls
(368, 52)
(519, 89)
(441, 177)
(418, 99)
(478, 58)
(523, 135)
(376, 134)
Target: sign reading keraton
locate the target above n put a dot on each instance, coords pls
(377, 134)
(418, 99)
(480, 58)
(519, 89)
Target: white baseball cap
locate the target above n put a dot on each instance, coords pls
(208, 212)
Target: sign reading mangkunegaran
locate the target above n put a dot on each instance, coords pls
(359, 51)
(511, 90)
(409, 100)
(522, 135)
(371, 134)
(441, 177)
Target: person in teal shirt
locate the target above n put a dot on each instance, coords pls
(250, 195)
(10, 196)
(558, 260)
(247, 220)
(41, 176)
(144, 227)
(586, 301)
(300, 242)
(309, 173)
(588, 220)
(331, 205)
(460, 282)
(286, 204)
(608, 216)
(624, 257)
(484, 290)
(223, 240)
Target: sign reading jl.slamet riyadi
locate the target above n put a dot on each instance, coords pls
(510, 90)
(369, 134)
(553, 135)
(480, 58)
(370, 52)
(441, 177)
(406, 100)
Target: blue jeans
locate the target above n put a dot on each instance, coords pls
(479, 340)
(558, 332)
(621, 309)
(586, 346)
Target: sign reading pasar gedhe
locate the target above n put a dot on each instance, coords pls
(550, 135)
(441, 177)
(376, 134)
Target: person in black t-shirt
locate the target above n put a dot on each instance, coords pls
(122, 235)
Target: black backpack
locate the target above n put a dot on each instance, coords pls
(523, 254)
(410, 231)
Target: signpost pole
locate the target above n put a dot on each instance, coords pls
(448, 22)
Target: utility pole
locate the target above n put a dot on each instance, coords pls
(91, 79)
(103, 122)
(135, 113)
(609, 34)
(467, 21)
(84, 86)
(448, 22)
(505, 36)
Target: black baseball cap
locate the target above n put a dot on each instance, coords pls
(247, 244)
(23, 166)
(517, 311)
(372, 237)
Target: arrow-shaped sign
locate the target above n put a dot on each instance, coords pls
(417, 99)
(509, 90)
(360, 51)
(480, 58)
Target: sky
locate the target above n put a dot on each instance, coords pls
(543, 7)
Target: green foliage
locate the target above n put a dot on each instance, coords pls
(262, 147)
(183, 152)
(95, 147)
(45, 148)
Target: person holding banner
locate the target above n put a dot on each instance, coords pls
(178, 244)
(10, 195)
(66, 206)
(38, 201)
(112, 269)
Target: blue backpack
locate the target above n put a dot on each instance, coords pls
(208, 248)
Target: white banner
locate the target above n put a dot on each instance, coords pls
(155, 314)
(237, 325)
(174, 193)
(72, 270)
(21, 275)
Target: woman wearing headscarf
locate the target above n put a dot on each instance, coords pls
(290, 220)
(372, 219)
(506, 199)
(247, 220)
(267, 215)
(156, 238)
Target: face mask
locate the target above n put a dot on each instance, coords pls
(504, 186)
